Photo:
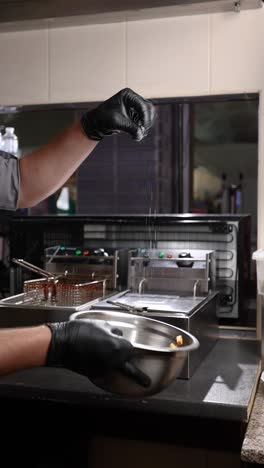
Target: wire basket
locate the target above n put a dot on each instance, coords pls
(68, 291)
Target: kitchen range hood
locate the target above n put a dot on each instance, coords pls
(20, 14)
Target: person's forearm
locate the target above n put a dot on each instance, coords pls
(22, 348)
(45, 170)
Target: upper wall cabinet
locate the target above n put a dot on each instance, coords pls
(24, 68)
(92, 73)
(29, 13)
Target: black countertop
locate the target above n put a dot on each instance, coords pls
(223, 387)
(253, 445)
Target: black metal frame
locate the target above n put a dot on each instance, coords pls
(167, 100)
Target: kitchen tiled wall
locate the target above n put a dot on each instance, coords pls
(181, 56)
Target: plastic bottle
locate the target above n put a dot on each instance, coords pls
(232, 198)
(10, 141)
(239, 200)
(225, 195)
(1, 140)
(63, 202)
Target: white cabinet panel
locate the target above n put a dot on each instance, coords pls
(168, 57)
(87, 63)
(24, 67)
(237, 53)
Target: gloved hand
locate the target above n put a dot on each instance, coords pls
(88, 349)
(126, 111)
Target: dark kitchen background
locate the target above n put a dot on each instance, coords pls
(200, 157)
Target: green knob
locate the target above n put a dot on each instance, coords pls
(161, 255)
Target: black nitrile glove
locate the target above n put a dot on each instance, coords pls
(90, 350)
(126, 111)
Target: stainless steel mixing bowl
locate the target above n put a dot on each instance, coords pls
(153, 353)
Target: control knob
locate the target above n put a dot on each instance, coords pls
(185, 263)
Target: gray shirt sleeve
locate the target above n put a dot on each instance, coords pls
(9, 181)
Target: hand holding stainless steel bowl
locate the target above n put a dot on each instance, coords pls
(91, 350)
(154, 353)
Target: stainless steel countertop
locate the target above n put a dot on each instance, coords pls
(156, 302)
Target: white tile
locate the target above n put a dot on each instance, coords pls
(24, 67)
(168, 57)
(237, 53)
(87, 63)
